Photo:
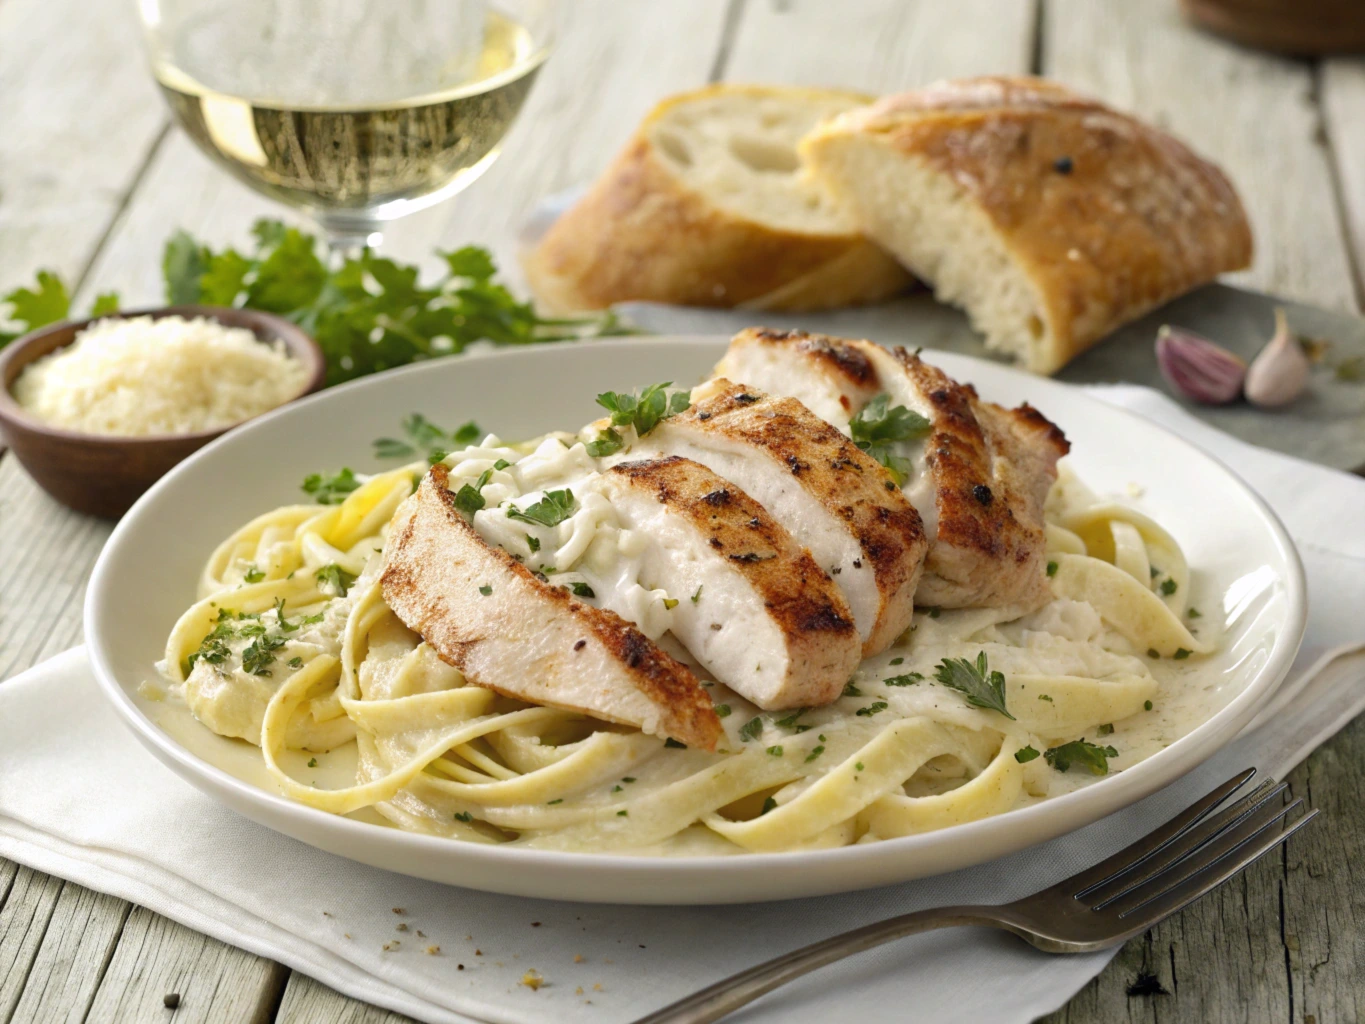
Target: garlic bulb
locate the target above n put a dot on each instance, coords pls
(1197, 368)
(1279, 374)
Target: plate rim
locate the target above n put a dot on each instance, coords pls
(1077, 807)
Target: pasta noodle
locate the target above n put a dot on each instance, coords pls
(291, 647)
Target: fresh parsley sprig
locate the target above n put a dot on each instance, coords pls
(45, 303)
(879, 424)
(1088, 755)
(426, 437)
(981, 687)
(644, 410)
(330, 489)
(550, 510)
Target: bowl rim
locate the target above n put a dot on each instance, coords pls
(19, 353)
(404, 849)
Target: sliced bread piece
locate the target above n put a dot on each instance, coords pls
(708, 205)
(1049, 217)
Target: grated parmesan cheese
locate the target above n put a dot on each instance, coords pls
(138, 376)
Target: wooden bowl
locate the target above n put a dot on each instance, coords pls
(100, 474)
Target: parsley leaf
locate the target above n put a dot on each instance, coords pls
(1168, 586)
(330, 490)
(260, 654)
(1087, 755)
(815, 752)
(643, 410)
(750, 729)
(1025, 754)
(875, 708)
(334, 580)
(581, 589)
(878, 425)
(981, 687)
(909, 679)
(253, 575)
(608, 442)
(550, 510)
(424, 436)
(469, 498)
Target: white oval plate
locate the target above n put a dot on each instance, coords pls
(146, 576)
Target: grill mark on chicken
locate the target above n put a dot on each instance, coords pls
(437, 560)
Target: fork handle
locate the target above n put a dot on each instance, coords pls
(715, 1001)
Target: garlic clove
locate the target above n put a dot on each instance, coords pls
(1279, 373)
(1197, 368)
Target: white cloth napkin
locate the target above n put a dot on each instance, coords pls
(81, 799)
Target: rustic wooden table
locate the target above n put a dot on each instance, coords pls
(93, 178)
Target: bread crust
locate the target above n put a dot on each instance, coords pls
(1106, 216)
(642, 234)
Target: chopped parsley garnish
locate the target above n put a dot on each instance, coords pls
(608, 442)
(213, 648)
(485, 590)
(533, 542)
(897, 661)
(670, 603)
(550, 510)
(1146, 705)
(1155, 572)
(1168, 586)
(909, 679)
(330, 490)
(644, 410)
(469, 498)
(858, 766)
(851, 690)
(581, 589)
(556, 800)
(253, 575)
(1044, 696)
(775, 751)
(1052, 568)
(618, 789)
(768, 805)
(296, 662)
(1193, 613)
(815, 752)
(1153, 653)
(333, 579)
(722, 710)
(789, 722)
(981, 687)
(464, 816)
(875, 708)
(879, 425)
(628, 778)
(1181, 654)
(259, 655)
(312, 762)
(1025, 754)
(623, 814)
(750, 729)
(671, 742)
(1080, 752)
(426, 437)
(696, 594)
(1106, 729)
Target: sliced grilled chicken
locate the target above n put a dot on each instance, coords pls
(753, 607)
(978, 478)
(505, 629)
(829, 495)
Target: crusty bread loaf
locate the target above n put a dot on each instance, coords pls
(1049, 217)
(708, 205)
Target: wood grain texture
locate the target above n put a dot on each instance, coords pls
(1253, 114)
(23, 923)
(217, 984)
(311, 1002)
(1342, 90)
(79, 118)
(879, 45)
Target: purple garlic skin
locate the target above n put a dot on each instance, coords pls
(1197, 368)
(1279, 374)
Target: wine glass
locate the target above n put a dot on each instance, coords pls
(355, 111)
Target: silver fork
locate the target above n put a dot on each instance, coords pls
(1190, 855)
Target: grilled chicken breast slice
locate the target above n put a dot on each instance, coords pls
(753, 607)
(830, 496)
(979, 477)
(506, 629)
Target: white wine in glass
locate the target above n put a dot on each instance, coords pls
(356, 111)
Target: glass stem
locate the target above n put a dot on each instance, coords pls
(348, 238)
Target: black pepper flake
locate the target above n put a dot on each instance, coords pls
(171, 1000)
(745, 399)
(716, 498)
(755, 522)
(580, 645)
(750, 556)
(703, 416)
(982, 493)
(1062, 165)
(857, 563)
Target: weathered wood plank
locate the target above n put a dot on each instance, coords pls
(880, 45)
(1342, 92)
(1252, 113)
(311, 1002)
(23, 923)
(216, 983)
(47, 552)
(72, 959)
(80, 116)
